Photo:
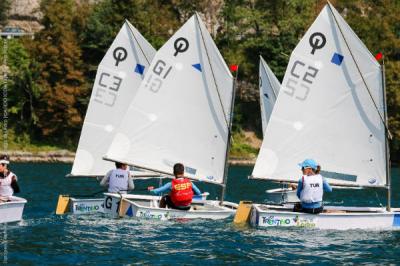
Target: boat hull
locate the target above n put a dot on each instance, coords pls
(146, 207)
(86, 206)
(12, 211)
(337, 218)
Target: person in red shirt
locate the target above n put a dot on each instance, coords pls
(181, 190)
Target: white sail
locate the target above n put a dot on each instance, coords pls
(324, 110)
(182, 109)
(117, 80)
(269, 89)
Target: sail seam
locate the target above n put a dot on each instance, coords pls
(140, 47)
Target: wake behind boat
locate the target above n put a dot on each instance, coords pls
(331, 107)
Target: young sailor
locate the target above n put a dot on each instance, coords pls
(8, 180)
(118, 180)
(311, 188)
(181, 190)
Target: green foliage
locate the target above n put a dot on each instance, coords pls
(23, 92)
(240, 147)
(51, 85)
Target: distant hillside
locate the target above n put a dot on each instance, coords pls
(25, 14)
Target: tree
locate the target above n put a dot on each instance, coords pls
(61, 79)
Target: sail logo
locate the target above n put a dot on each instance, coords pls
(181, 45)
(301, 77)
(317, 41)
(119, 54)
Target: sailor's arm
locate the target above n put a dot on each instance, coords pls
(106, 180)
(131, 185)
(195, 189)
(14, 184)
(326, 185)
(299, 188)
(166, 188)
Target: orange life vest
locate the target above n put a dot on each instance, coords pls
(181, 193)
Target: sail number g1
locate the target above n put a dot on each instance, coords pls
(159, 73)
(302, 76)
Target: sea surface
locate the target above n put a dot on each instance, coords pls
(43, 238)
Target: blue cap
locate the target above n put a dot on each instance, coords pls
(309, 163)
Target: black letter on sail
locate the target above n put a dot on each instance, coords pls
(181, 45)
(119, 54)
(317, 41)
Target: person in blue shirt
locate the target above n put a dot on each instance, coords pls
(310, 188)
(181, 190)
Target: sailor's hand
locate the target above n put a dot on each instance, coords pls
(293, 186)
(150, 188)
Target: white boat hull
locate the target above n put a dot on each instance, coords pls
(337, 218)
(143, 206)
(12, 211)
(86, 206)
(281, 195)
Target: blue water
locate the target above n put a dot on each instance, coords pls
(43, 238)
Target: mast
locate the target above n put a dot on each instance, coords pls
(387, 136)
(228, 144)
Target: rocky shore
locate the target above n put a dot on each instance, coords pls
(61, 156)
(65, 156)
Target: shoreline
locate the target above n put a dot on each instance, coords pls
(65, 156)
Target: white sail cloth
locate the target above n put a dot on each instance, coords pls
(269, 89)
(182, 109)
(118, 77)
(324, 110)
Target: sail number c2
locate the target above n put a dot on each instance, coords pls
(302, 76)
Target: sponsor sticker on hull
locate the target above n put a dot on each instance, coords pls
(274, 220)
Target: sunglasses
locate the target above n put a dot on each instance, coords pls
(3, 164)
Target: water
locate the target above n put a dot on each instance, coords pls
(43, 238)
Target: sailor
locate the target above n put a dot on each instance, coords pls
(311, 187)
(181, 190)
(118, 180)
(8, 180)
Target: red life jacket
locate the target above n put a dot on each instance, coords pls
(181, 193)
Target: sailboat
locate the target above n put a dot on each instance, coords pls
(182, 112)
(118, 77)
(331, 107)
(269, 89)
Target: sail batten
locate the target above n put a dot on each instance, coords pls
(323, 110)
(181, 110)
